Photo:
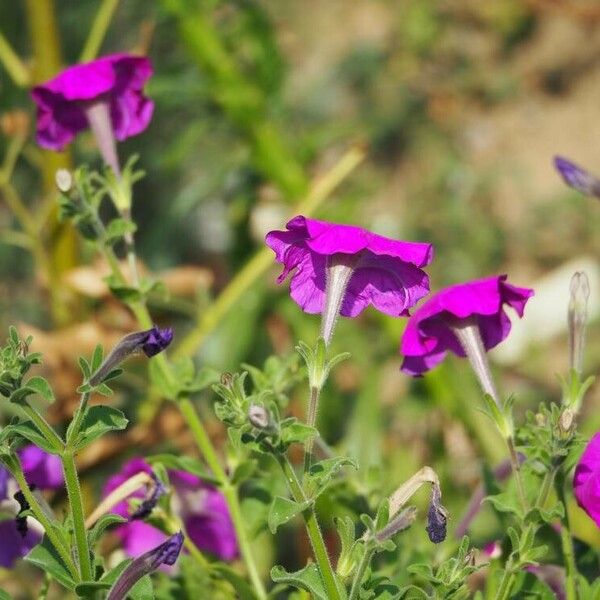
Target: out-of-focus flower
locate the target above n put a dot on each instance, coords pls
(586, 481)
(435, 327)
(115, 81)
(165, 553)
(150, 342)
(201, 507)
(341, 269)
(577, 178)
(41, 470)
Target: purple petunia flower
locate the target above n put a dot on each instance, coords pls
(436, 326)
(577, 177)
(586, 481)
(115, 81)
(341, 269)
(45, 472)
(202, 508)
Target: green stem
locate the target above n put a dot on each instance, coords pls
(230, 492)
(567, 543)
(313, 530)
(516, 469)
(50, 529)
(75, 426)
(545, 488)
(98, 30)
(360, 573)
(14, 66)
(313, 405)
(45, 429)
(507, 583)
(77, 515)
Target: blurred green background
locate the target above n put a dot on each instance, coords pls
(459, 105)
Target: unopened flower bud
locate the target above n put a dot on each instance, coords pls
(150, 342)
(566, 420)
(227, 379)
(541, 420)
(577, 318)
(437, 516)
(576, 177)
(64, 180)
(259, 416)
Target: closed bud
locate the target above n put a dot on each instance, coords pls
(437, 517)
(577, 318)
(566, 420)
(227, 380)
(64, 180)
(259, 416)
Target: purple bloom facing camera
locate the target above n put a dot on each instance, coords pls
(586, 481)
(432, 330)
(202, 508)
(116, 81)
(42, 470)
(342, 269)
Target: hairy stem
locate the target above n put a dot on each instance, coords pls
(311, 419)
(567, 543)
(360, 573)
(77, 515)
(44, 427)
(313, 530)
(51, 530)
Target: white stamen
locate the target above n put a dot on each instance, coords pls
(339, 271)
(98, 117)
(469, 336)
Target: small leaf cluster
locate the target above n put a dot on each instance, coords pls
(15, 362)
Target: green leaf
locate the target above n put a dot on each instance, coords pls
(295, 432)
(97, 357)
(99, 420)
(308, 579)
(243, 471)
(163, 385)
(5, 595)
(101, 525)
(85, 368)
(35, 385)
(321, 473)
(117, 228)
(243, 590)
(27, 430)
(283, 510)
(47, 559)
(183, 463)
(142, 590)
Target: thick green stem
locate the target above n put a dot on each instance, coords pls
(311, 419)
(98, 30)
(506, 584)
(313, 530)
(51, 436)
(360, 573)
(567, 543)
(230, 492)
(50, 529)
(77, 515)
(75, 426)
(13, 64)
(516, 469)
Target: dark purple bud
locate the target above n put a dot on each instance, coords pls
(164, 554)
(20, 519)
(437, 517)
(151, 342)
(157, 341)
(577, 178)
(148, 504)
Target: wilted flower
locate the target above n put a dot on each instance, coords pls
(577, 318)
(165, 553)
(474, 309)
(150, 342)
(66, 104)
(576, 177)
(437, 516)
(201, 507)
(586, 482)
(341, 269)
(42, 470)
